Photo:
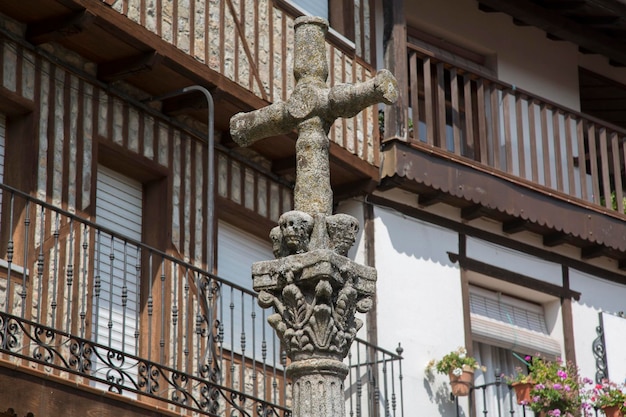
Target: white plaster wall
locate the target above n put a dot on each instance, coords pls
(419, 304)
(597, 295)
(512, 260)
(524, 56)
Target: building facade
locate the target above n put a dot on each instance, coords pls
(490, 197)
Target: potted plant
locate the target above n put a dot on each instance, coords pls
(521, 383)
(610, 398)
(557, 387)
(460, 369)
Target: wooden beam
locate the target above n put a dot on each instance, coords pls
(427, 200)
(554, 239)
(59, 27)
(354, 188)
(514, 226)
(472, 212)
(487, 9)
(621, 264)
(13, 104)
(516, 278)
(518, 22)
(553, 37)
(563, 5)
(595, 20)
(125, 67)
(396, 60)
(616, 64)
(498, 239)
(560, 26)
(593, 251)
(183, 104)
(284, 165)
(175, 59)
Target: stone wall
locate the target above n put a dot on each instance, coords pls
(251, 43)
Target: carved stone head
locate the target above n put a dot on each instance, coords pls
(276, 237)
(296, 227)
(342, 230)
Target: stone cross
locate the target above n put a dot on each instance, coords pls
(312, 109)
(313, 288)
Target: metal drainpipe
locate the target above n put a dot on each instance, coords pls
(210, 167)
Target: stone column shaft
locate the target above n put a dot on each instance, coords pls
(318, 389)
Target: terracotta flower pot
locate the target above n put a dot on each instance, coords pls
(613, 411)
(522, 391)
(461, 385)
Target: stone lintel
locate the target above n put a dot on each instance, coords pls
(313, 266)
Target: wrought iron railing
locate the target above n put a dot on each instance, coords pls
(374, 384)
(81, 302)
(472, 115)
(123, 373)
(497, 399)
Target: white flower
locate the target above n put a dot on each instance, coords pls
(457, 371)
(462, 355)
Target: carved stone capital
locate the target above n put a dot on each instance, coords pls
(315, 296)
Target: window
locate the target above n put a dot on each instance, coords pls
(313, 7)
(116, 310)
(510, 323)
(245, 328)
(496, 400)
(339, 13)
(504, 330)
(247, 346)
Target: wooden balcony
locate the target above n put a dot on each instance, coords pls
(510, 155)
(127, 326)
(242, 51)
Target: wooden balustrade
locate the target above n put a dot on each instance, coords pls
(498, 125)
(251, 41)
(80, 301)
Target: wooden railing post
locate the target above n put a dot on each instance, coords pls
(395, 47)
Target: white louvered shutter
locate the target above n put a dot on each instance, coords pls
(236, 252)
(510, 323)
(118, 208)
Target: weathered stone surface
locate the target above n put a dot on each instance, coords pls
(311, 109)
(313, 288)
(318, 387)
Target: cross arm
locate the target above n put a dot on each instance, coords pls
(273, 120)
(347, 100)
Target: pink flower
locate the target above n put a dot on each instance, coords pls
(539, 386)
(556, 412)
(527, 358)
(557, 386)
(562, 374)
(567, 388)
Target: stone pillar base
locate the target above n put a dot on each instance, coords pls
(318, 387)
